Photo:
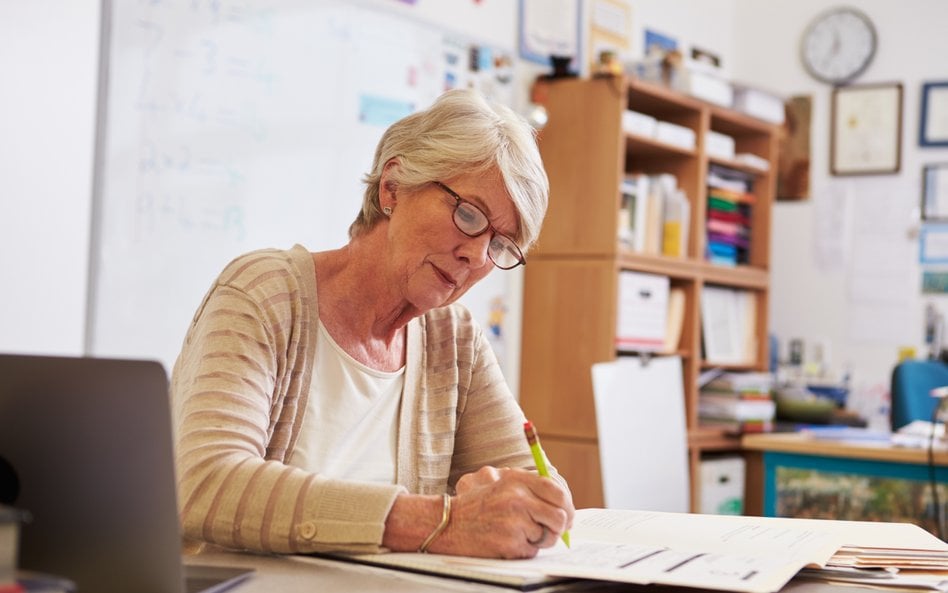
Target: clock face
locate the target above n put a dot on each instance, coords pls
(838, 45)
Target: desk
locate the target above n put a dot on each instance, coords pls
(287, 574)
(849, 473)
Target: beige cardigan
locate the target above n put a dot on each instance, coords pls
(239, 390)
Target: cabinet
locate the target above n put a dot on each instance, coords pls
(570, 282)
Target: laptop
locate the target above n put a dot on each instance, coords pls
(86, 450)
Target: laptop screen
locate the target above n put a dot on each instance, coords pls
(89, 447)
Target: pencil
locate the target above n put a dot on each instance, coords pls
(539, 458)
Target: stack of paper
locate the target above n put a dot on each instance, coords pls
(899, 568)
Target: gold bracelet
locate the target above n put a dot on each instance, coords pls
(445, 518)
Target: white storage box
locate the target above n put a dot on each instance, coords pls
(722, 486)
(634, 122)
(719, 145)
(705, 86)
(674, 134)
(759, 104)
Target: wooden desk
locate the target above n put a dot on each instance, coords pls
(772, 460)
(286, 574)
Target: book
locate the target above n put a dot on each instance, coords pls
(737, 427)
(735, 408)
(741, 382)
(635, 197)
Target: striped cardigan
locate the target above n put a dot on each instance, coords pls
(239, 390)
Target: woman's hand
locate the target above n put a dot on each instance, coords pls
(506, 513)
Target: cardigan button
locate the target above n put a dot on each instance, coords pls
(308, 530)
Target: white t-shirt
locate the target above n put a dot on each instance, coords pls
(351, 420)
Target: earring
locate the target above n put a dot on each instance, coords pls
(387, 211)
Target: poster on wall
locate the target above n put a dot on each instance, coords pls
(550, 28)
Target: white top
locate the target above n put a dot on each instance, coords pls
(351, 419)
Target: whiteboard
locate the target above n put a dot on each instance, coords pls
(229, 126)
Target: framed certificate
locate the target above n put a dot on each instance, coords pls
(935, 192)
(933, 123)
(866, 129)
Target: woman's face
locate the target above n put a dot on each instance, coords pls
(434, 261)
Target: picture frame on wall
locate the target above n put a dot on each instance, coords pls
(866, 129)
(933, 121)
(550, 28)
(935, 192)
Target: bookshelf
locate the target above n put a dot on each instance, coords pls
(571, 281)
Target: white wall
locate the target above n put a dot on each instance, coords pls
(822, 283)
(49, 60)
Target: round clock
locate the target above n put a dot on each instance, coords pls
(838, 45)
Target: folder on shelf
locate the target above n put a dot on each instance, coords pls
(675, 321)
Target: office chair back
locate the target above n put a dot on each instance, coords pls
(912, 382)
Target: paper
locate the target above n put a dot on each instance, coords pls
(640, 417)
(732, 553)
(724, 552)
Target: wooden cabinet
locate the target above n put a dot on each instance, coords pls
(571, 280)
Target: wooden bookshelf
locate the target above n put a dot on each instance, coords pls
(570, 286)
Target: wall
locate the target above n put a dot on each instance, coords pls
(49, 60)
(845, 263)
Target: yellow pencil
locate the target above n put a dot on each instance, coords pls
(539, 458)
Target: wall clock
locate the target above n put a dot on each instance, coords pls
(838, 45)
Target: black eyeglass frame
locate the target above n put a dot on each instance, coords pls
(458, 200)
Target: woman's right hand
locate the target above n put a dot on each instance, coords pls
(505, 513)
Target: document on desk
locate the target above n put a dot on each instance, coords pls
(723, 552)
(745, 554)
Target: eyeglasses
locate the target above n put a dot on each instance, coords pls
(471, 220)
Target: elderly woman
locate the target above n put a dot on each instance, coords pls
(341, 400)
